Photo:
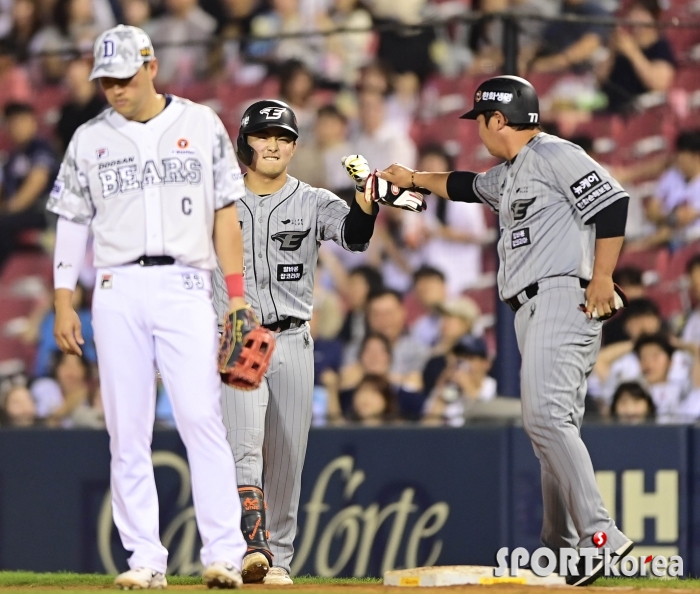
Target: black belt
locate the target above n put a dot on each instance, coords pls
(285, 324)
(154, 261)
(531, 291)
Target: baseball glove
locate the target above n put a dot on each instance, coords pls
(380, 190)
(245, 350)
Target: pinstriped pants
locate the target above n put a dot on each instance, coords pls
(268, 430)
(559, 346)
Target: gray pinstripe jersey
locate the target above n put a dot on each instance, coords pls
(544, 198)
(281, 236)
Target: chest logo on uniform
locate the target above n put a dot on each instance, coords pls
(290, 241)
(125, 175)
(519, 208)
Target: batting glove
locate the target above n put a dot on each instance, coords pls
(380, 190)
(357, 168)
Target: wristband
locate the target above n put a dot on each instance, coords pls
(234, 285)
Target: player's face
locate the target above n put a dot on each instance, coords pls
(129, 96)
(273, 149)
(490, 135)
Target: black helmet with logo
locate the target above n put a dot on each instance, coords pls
(267, 113)
(513, 96)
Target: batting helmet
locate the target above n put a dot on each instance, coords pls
(513, 96)
(267, 113)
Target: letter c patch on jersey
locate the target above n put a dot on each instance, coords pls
(290, 241)
(519, 208)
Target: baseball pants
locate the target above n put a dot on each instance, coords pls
(559, 346)
(163, 316)
(268, 430)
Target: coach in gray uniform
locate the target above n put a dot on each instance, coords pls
(283, 221)
(562, 220)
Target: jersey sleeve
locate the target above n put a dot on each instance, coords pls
(70, 196)
(332, 212)
(588, 186)
(487, 186)
(228, 179)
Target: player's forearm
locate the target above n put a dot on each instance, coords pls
(367, 207)
(228, 240)
(607, 251)
(435, 182)
(30, 190)
(69, 255)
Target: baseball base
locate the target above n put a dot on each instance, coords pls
(458, 575)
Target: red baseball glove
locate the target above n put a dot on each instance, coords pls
(245, 350)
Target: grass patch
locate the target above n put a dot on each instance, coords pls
(624, 582)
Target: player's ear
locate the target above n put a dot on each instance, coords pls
(152, 66)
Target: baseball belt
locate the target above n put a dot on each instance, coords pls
(530, 292)
(285, 324)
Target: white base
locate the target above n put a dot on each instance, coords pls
(457, 575)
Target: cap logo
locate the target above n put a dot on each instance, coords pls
(108, 49)
(145, 52)
(245, 120)
(273, 113)
(499, 96)
(477, 97)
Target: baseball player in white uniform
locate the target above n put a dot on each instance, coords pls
(562, 219)
(155, 178)
(283, 221)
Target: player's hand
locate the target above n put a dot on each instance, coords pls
(398, 175)
(600, 297)
(67, 330)
(357, 168)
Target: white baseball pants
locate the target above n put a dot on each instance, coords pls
(162, 316)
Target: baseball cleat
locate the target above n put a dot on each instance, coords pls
(277, 577)
(222, 575)
(255, 568)
(141, 578)
(598, 566)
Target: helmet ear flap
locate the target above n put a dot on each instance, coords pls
(244, 151)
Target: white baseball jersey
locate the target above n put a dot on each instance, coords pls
(150, 188)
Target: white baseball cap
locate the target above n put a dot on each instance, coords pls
(120, 52)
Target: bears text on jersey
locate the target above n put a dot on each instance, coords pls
(130, 177)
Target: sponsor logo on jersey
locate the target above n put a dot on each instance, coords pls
(273, 113)
(102, 153)
(56, 189)
(106, 281)
(587, 182)
(64, 265)
(293, 221)
(520, 237)
(290, 272)
(290, 241)
(130, 177)
(519, 208)
(116, 162)
(183, 143)
(593, 195)
(500, 96)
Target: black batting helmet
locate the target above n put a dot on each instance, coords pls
(513, 96)
(267, 113)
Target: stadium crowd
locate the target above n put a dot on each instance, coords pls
(405, 331)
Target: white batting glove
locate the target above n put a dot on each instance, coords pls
(357, 168)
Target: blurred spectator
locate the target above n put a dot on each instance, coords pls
(464, 380)
(325, 324)
(329, 146)
(28, 175)
(566, 45)
(75, 26)
(47, 349)
(84, 102)
(632, 404)
(691, 329)
(296, 89)
(457, 320)
(346, 52)
(71, 381)
(642, 60)
(629, 279)
(381, 144)
(18, 408)
(26, 22)
(450, 235)
(430, 292)
(374, 402)
(188, 26)
(137, 13)
(14, 83)
(362, 281)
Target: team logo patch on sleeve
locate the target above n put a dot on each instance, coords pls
(57, 189)
(587, 182)
(290, 272)
(593, 195)
(520, 237)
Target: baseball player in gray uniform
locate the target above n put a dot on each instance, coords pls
(283, 222)
(562, 219)
(156, 179)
